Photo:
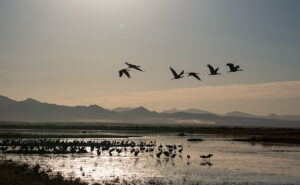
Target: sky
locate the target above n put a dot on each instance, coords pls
(69, 52)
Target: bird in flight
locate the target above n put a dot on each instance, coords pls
(213, 71)
(194, 75)
(124, 71)
(233, 68)
(176, 76)
(134, 66)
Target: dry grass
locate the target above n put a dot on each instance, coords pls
(13, 174)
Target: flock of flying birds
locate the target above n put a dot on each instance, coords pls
(213, 71)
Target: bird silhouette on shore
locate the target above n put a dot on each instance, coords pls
(204, 157)
(124, 71)
(132, 66)
(176, 76)
(233, 68)
(194, 75)
(213, 71)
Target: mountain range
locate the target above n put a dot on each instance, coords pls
(33, 110)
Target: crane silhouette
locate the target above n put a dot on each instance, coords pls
(188, 156)
(132, 66)
(194, 75)
(233, 68)
(176, 76)
(124, 71)
(206, 156)
(213, 71)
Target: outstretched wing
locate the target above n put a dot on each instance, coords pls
(196, 76)
(216, 70)
(231, 66)
(129, 65)
(212, 70)
(132, 65)
(127, 73)
(138, 68)
(173, 71)
(120, 73)
(181, 73)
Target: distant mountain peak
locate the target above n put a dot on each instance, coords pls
(4, 98)
(122, 109)
(171, 111)
(240, 114)
(273, 114)
(196, 111)
(141, 109)
(95, 107)
(5, 101)
(31, 100)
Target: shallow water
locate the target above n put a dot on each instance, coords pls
(232, 162)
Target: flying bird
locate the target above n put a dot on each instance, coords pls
(233, 68)
(194, 75)
(124, 71)
(213, 71)
(134, 66)
(176, 76)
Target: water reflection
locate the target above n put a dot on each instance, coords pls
(206, 163)
(232, 162)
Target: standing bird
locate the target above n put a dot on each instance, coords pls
(194, 75)
(134, 66)
(204, 157)
(158, 154)
(209, 156)
(213, 71)
(173, 156)
(176, 76)
(233, 68)
(124, 71)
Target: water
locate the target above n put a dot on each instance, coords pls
(232, 162)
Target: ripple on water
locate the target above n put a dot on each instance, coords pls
(233, 162)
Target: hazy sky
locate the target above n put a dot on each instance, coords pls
(69, 52)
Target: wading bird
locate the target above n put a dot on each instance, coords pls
(194, 75)
(174, 155)
(213, 71)
(188, 156)
(124, 71)
(176, 76)
(206, 156)
(158, 154)
(134, 66)
(233, 68)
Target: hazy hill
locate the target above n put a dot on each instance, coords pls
(190, 110)
(196, 111)
(240, 114)
(170, 111)
(122, 109)
(33, 110)
(5, 101)
(270, 116)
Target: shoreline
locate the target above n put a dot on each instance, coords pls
(12, 173)
(245, 134)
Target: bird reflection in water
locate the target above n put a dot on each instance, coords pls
(158, 162)
(136, 161)
(206, 163)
